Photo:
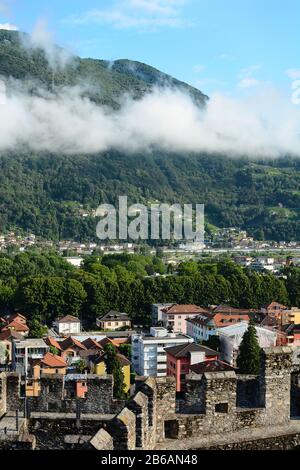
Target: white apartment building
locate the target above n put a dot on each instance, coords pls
(23, 351)
(149, 357)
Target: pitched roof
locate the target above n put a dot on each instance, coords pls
(16, 325)
(16, 316)
(9, 334)
(113, 315)
(68, 319)
(184, 350)
(103, 342)
(176, 309)
(52, 360)
(70, 342)
(123, 360)
(227, 309)
(90, 343)
(211, 366)
(52, 342)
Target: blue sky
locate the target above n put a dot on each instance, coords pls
(231, 46)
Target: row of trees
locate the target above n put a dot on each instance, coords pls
(45, 286)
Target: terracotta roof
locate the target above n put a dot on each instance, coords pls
(16, 325)
(70, 342)
(176, 309)
(90, 343)
(8, 334)
(221, 319)
(15, 316)
(184, 350)
(52, 360)
(52, 342)
(68, 319)
(103, 342)
(211, 366)
(275, 304)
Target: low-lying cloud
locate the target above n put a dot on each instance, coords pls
(67, 122)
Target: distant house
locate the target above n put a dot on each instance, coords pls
(6, 339)
(293, 333)
(49, 364)
(17, 323)
(180, 358)
(99, 368)
(113, 321)
(175, 316)
(210, 366)
(71, 349)
(68, 325)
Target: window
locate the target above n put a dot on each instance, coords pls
(221, 408)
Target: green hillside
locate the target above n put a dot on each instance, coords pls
(44, 193)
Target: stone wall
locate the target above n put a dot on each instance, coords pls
(59, 397)
(2, 394)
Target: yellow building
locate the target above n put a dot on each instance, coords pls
(292, 315)
(100, 369)
(50, 364)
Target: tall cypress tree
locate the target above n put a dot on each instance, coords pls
(114, 367)
(249, 351)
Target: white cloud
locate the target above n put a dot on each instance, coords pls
(293, 73)
(246, 77)
(9, 26)
(248, 83)
(42, 38)
(146, 15)
(260, 125)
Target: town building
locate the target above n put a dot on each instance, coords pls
(156, 312)
(149, 357)
(70, 350)
(17, 323)
(67, 325)
(181, 358)
(175, 316)
(24, 351)
(114, 321)
(293, 333)
(231, 338)
(49, 364)
(98, 367)
(208, 323)
(6, 340)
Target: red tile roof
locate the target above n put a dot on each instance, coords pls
(176, 309)
(51, 360)
(16, 325)
(52, 342)
(90, 343)
(71, 342)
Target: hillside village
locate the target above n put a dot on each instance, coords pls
(184, 341)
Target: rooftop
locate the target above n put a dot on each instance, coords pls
(68, 319)
(211, 366)
(184, 350)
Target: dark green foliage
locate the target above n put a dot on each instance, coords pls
(36, 329)
(213, 342)
(249, 352)
(113, 366)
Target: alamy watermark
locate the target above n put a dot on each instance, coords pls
(154, 222)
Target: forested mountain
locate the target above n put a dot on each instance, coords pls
(43, 192)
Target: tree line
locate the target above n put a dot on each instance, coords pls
(46, 286)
